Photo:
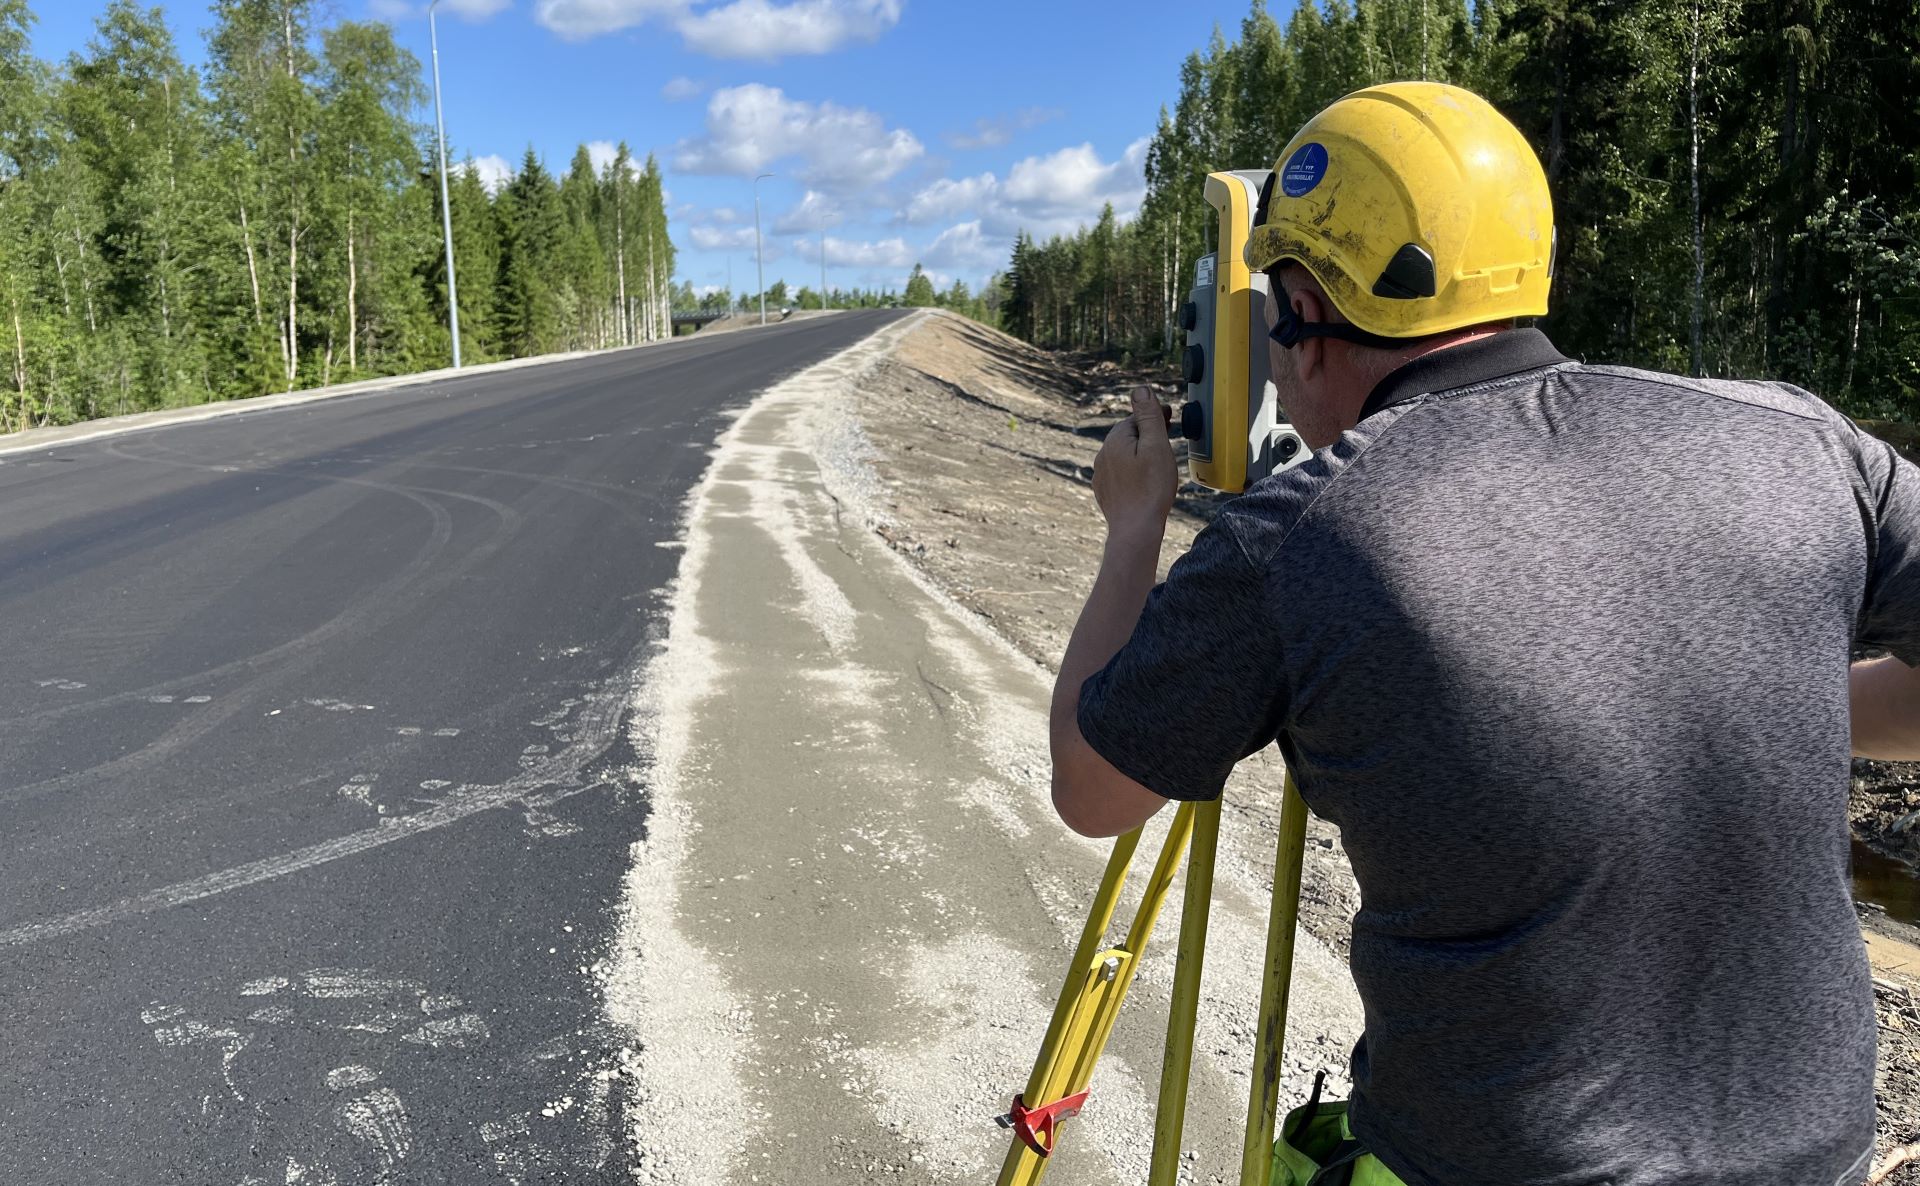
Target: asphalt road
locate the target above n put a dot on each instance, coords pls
(315, 786)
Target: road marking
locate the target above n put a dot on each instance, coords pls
(390, 830)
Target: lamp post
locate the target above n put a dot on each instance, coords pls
(824, 304)
(759, 266)
(446, 211)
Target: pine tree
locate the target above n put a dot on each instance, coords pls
(919, 288)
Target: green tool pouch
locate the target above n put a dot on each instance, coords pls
(1316, 1148)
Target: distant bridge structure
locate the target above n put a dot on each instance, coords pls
(698, 318)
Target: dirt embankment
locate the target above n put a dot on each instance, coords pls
(986, 447)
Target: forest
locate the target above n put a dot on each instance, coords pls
(1734, 181)
(171, 236)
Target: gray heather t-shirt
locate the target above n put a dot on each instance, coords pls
(1563, 652)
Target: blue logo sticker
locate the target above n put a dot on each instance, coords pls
(1303, 169)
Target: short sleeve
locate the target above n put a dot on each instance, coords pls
(1890, 613)
(1199, 686)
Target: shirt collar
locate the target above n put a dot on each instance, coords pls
(1508, 352)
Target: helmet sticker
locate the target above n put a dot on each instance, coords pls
(1303, 169)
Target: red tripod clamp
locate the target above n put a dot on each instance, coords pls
(1035, 1126)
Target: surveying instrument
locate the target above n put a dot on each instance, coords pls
(1234, 437)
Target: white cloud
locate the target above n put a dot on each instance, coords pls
(602, 154)
(1046, 195)
(814, 211)
(965, 248)
(947, 198)
(839, 148)
(580, 19)
(494, 171)
(857, 253)
(1067, 188)
(992, 133)
(761, 29)
(713, 238)
(682, 88)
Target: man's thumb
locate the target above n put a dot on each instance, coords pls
(1148, 414)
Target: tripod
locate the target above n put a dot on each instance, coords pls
(1097, 982)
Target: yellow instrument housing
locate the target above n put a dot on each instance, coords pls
(1236, 436)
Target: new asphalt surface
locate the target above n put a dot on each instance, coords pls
(316, 790)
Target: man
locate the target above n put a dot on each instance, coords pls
(1564, 652)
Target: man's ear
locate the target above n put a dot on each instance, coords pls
(1309, 353)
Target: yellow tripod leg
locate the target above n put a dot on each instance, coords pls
(1096, 983)
(1256, 1158)
(1171, 1115)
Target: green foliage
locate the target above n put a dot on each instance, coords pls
(171, 236)
(1795, 122)
(919, 288)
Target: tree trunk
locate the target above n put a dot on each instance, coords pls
(253, 268)
(353, 316)
(20, 364)
(293, 218)
(620, 253)
(1853, 342)
(86, 283)
(60, 267)
(653, 293)
(293, 304)
(1423, 40)
(1783, 223)
(1693, 167)
(166, 236)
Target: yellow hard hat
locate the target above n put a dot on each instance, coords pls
(1417, 207)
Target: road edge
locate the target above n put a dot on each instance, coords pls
(34, 439)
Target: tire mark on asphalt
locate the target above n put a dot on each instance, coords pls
(293, 657)
(379, 595)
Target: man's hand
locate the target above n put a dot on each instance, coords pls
(1133, 481)
(1885, 710)
(1134, 477)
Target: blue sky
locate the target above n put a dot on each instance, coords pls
(913, 130)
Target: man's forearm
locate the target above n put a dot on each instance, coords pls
(1886, 710)
(1127, 568)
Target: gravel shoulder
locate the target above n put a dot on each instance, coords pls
(846, 925)
(983, 448)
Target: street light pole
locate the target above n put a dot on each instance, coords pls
(824, 304)
(446, 211)
(759, 265)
